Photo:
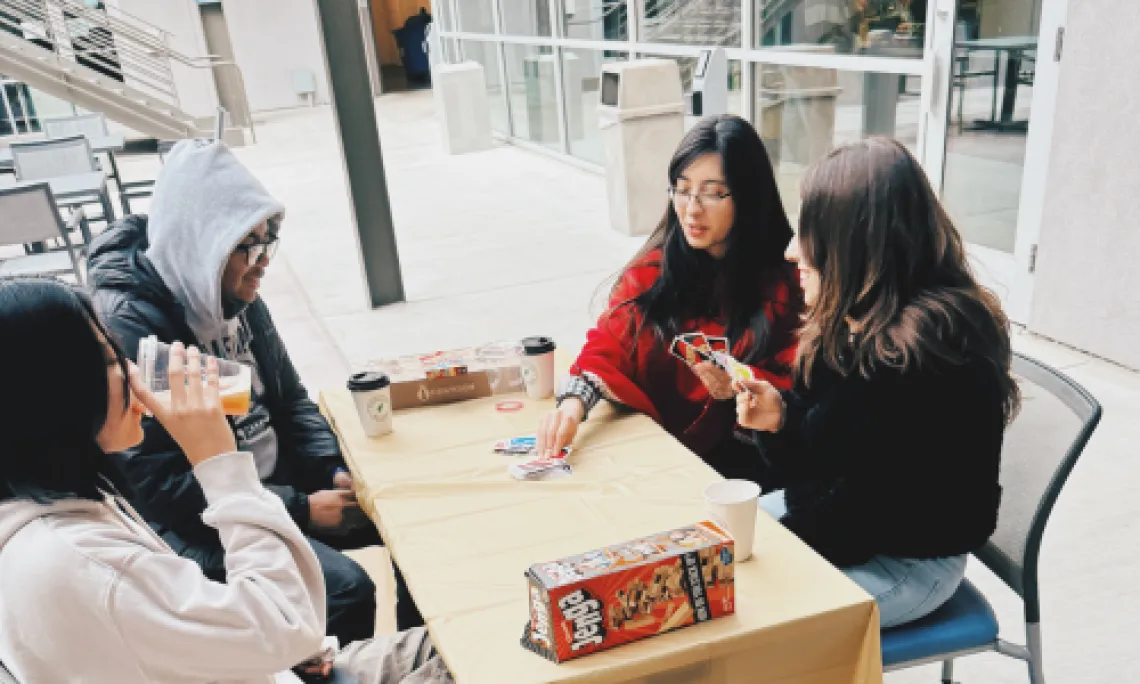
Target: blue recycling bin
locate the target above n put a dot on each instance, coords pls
(411, 39)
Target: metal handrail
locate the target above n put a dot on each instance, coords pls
(141, 50)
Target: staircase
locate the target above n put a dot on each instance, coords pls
(108, 62)
(692, 22)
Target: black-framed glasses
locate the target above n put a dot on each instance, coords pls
(254, 251)
(707, 200)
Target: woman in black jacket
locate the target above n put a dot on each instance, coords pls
(885, 454)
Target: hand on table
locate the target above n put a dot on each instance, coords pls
(717, 382)
(329, 507)
(759, 405)
(194, 416)
(557, 429)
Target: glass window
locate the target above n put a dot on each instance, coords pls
(526, 17)
(441, 15)
(487, 54)
(991, 103)
(804, 112)
(688, 67)
(581, 74)
(691, 22)
(475, 16)
(596, 20)
(532, 86)
(735, 96)
(886, 28)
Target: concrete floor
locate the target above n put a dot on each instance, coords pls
(507, 242)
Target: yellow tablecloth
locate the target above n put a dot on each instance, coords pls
(463, 532)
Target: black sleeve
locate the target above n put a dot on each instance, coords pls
(305, 434)
(797, 451)
(848, 429)
(160, 478)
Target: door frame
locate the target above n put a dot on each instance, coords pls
(1009, 275)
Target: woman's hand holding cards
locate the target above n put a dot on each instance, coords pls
(717, 382)
(759, 405)
(558, 428)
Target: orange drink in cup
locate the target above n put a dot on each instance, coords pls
(235, 379)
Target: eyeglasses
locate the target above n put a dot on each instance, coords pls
(707, 200)
(254, 251)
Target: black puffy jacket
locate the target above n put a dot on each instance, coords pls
(134, 303)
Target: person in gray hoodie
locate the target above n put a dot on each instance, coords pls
(190, 272)
(88, 593)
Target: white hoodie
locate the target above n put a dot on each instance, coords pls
(90, 594)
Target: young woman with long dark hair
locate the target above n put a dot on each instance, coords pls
(887, 450)
(713, 265)
(87, 591)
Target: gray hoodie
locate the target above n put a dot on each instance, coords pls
(205, 203)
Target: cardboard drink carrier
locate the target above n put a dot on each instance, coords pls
(641, 588)
(456, 375)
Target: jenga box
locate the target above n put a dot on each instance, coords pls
(626, 592)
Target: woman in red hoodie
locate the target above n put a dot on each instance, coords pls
(713, 265)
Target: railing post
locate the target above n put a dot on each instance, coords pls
(165, 59)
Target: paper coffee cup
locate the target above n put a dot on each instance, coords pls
(372, 393)
(538, 367)
(733, 504)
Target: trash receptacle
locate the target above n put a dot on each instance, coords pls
(410, 39)
(461, 105)
(642, 119)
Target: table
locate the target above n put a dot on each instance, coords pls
(463, 532)
(1014, 47)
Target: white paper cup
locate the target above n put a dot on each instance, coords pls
(538, 367)
(733, 503)
(372, 393)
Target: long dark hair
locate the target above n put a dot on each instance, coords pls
(56, 382)
(691, 282)
(895, 286)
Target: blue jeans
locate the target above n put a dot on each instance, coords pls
(905, 588)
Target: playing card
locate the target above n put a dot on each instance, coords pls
(699, 342)
(736, 369)
(521, 446)
(686, 352)
(515, 445)
(540, 469)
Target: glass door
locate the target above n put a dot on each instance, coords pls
(995, 68)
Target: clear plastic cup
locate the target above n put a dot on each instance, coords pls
(235, 378)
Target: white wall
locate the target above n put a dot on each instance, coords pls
(1087, 290)
(271, 39)
(180, 18)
